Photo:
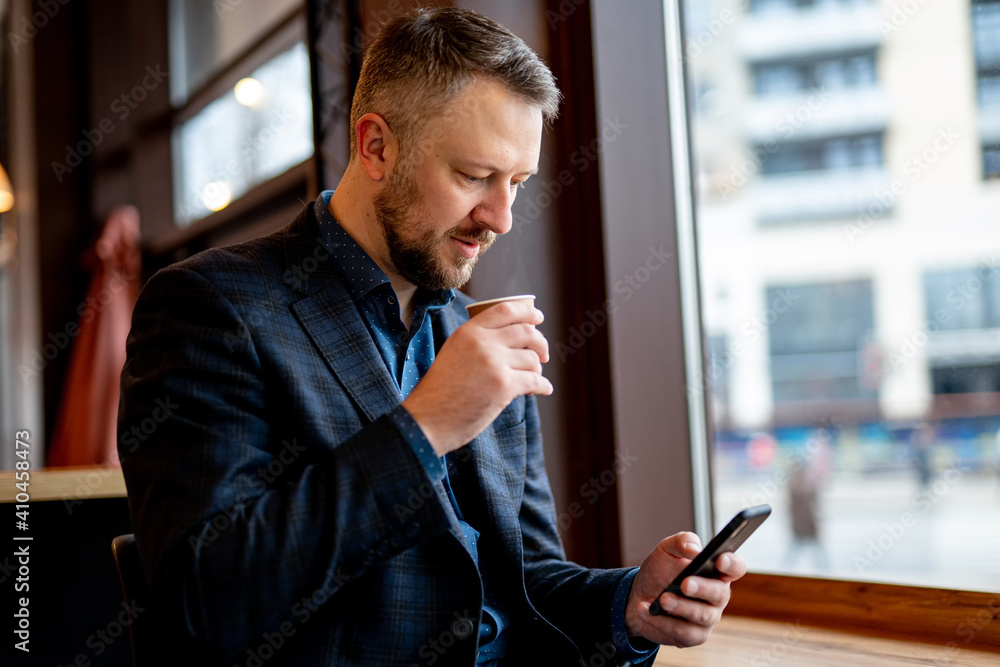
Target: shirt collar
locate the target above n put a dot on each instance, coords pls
(360, 272)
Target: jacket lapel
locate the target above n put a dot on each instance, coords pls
(332, 321)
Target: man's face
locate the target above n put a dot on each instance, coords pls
(451, 191)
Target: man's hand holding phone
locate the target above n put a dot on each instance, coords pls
(689, 621)
(680, 590)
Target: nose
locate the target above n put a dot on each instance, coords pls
(493, 210)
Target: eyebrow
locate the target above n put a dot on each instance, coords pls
(494, 169)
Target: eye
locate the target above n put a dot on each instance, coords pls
(473, 179)
(517, 185)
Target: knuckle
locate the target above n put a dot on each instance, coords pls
(507, 308)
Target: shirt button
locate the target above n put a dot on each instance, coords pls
(391, 300)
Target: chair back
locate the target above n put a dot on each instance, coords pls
(134, 589)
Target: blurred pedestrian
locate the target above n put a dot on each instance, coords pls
(921, 444)
(808, 474)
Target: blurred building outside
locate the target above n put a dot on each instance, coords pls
(847, 178)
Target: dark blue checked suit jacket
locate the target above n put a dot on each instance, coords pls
(281, 517)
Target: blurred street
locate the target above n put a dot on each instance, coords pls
(878, 527)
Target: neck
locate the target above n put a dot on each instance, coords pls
(351, 206)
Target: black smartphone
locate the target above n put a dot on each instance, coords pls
(729, 539)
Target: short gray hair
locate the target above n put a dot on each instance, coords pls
(420, 62)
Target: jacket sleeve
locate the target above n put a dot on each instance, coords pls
(577, 600)
(239, 523)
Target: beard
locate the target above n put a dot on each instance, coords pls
(416, 254)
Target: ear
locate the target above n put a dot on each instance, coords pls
(377, 146)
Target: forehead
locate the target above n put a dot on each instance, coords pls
(488, 125)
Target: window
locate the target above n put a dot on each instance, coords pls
(763, 6)
(991, 161)
(719, 361)
(986, 32)
(829, 74)
(964, 298)
(827, 153)
(855, 383)
(243, 100)
(816, 339)
(986, 48)
(989, 90)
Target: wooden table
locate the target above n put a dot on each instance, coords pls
(742, 641)
(70, 485)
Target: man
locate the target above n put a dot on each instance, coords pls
(346, 469)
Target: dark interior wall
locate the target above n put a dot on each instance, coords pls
(62, 97)
(639, 202)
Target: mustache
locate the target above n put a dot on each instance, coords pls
(482, 236)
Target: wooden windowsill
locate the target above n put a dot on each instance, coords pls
(746, 641)
(66, 484)
(969, 619)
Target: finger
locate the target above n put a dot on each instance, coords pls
(713, 591)
(731, 565)
(509, 312)
(524, 360)
(532, 383)
(525, 336)
(686, 625)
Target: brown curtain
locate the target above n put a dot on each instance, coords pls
(88, 415)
